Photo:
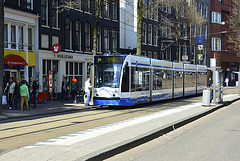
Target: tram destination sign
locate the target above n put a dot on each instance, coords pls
(109, 59)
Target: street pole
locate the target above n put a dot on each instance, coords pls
(214, 84)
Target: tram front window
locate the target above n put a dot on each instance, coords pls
(107, 74)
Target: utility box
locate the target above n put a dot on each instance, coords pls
(206, 97)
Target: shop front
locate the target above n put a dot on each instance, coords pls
(55, 66)
(15, 64)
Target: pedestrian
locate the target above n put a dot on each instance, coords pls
(65, 88)
(87, 90)
(227, 81)
(74, 90)
(210, 82)
(33, 86)
(22, 79)
(24, 95)
(17, 96)
(9, 90)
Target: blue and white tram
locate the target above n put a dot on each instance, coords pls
(126, 80)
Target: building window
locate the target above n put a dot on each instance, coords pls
(20, 38)
(78, 37)
(44, 41)
(44, 12)
(155, 55)
(78, 4)
(87, 5)
(75, 70)
(29, 4)
(55, 13)
(99, 38)
(216, 44)
(114, 39)
(143, 53)
(206, 11)
(5, 36)
(87, 37)
(145, 8)
(114, 10)
(200, 29)
(150, 9)
(185, 31)
(156, 12)
(106, 9)
(106, 40)
(206, 31)
(13, 37)
(144, 33)
(155, 39)
(68, 34)
(150, 34)
(200, 9)
(30, 39)
(216, 17)
(150, 54)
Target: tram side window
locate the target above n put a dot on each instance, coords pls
(133, 79)
(190, 79)
(125, 79)
(162, 79)
(139, 79)
(146, 77)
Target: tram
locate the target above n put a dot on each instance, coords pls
(127, 80)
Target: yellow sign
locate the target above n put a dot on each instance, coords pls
(200, 47)
(200, 57)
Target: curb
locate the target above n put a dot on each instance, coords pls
(155, 134)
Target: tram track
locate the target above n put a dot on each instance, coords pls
(33, 129)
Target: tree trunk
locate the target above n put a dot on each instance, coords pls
(139, 27)
(177, 43)
(95, 36)
(1, 51)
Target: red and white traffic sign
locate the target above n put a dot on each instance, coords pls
(56, 48)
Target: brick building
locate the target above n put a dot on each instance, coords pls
(219, 47)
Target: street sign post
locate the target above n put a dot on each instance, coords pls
(213, 66)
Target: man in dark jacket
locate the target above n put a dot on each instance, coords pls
(74, 90)
(33, 86)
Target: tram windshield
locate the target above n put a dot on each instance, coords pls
(108, 71)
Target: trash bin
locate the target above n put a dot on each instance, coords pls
(206, 97)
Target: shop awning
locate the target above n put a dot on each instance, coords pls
(14, 60)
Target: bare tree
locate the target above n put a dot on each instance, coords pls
(1, 51)
(95, 7)
(183, 14)
(234, 24)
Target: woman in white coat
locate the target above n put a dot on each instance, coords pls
(9, 91)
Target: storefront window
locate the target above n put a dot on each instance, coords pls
(74, 70)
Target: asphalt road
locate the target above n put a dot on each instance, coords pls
(215, 137)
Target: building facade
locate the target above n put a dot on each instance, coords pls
(72, 28)
(220, 48)
(158, 40)
(20, 38)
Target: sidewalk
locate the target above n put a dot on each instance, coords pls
(51, 107)
(101, 142)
